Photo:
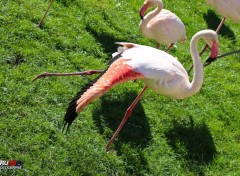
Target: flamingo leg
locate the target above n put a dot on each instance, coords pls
(220, 25)
(169, 47)
(126, 116)
(44, 16)
(89, 72)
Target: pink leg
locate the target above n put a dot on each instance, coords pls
(41, 22)
(126, 116)
(89, 72)
(220, 25)
(169, 47)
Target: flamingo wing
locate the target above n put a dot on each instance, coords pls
(166, 27)
(159, 70)
(117, 73)
(162, 72)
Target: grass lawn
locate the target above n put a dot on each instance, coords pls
(199, 135)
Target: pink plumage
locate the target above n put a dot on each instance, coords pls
(161, 25)
(157, 69)
(227, 8)
(118, 72)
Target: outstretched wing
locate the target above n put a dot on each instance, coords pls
(117, 73)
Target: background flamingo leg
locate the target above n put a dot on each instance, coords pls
(169, 47)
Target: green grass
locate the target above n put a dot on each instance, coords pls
(196, 136)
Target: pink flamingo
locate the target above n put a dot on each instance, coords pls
(161, 25)
(159, 70)
(228, 9)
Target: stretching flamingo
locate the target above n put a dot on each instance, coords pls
(161, 24)
(159, 70)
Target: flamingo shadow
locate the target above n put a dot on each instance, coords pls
(194, 142)
(136, 131)
(213, 21)
(106, 39)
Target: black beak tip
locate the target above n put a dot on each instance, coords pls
(209, 61)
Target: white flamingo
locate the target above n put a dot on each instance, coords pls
(228, 9)
(159, 70)
(161, 25)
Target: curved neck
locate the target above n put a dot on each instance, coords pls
(159, 7)
(197, 81)
(155, 11)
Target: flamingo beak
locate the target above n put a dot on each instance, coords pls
(143, 10)
(214, 54)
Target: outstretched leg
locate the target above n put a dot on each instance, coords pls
(89, 72)
(126, 116)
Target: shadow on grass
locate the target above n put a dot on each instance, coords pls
(106, 40)
(213, 21)
(136, 132)
(192, 141)
(16, 60)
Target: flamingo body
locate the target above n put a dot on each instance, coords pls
(227, 8)
(117, 73)
(159, 70)
(161, 25)
(163, 73)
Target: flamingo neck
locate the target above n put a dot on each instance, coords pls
(197, 81)
(159, 7)
(156, 11)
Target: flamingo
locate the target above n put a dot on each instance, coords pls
(161, 25)
(157, 69)
(228, 9)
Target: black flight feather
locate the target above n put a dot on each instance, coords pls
(71, 113)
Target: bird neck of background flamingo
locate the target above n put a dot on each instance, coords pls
(159, 7)
(197, 81)
(156, 11)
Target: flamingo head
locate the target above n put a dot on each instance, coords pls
(149, 4)
(212, 42)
